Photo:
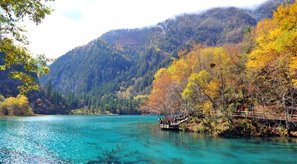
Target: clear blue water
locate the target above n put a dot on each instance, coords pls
(126, 139)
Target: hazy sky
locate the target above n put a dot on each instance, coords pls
(76, 22)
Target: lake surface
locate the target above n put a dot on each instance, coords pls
(126, 139)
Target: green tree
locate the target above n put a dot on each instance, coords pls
(13, 42)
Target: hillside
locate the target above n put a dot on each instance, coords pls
(225, 90)
(121, 63)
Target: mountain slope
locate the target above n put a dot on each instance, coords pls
(85, 67)
(121, 63)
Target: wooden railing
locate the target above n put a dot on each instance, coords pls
(265, 116)
(174, 122)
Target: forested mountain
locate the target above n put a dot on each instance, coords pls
(121, 63)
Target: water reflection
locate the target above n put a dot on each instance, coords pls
(193, 147)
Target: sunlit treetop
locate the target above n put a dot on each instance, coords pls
(276, 43)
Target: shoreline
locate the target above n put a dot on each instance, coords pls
(190, 128)
(239, 130)
(97, 114)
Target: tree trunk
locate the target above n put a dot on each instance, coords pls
(287, 121)
(286, 111)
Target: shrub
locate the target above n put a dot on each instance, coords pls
(18, 106)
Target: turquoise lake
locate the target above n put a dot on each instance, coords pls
(126, 139)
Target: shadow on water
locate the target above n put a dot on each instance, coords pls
(119, 155)
(149, 134)
(144, 142)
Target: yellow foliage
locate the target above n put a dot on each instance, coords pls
(293, 70)
(159, 73)
(293, 65)
(294, 83)
(202, 77)
(188, 91)
(212, 69)
(212, 89)
(179, 70)
(207, 107)
(16, 106)
(276, 39)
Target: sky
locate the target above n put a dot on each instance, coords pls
(76, 22)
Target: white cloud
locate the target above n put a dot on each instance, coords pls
(76, 22)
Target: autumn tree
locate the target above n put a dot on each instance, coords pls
(211, 90)
(204, 83)
(160, 99)
(16, 106)
(168, 85)
(13, 42)
(273, 62)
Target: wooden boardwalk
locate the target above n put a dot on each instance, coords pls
(173, 123)
(270, 118)
(265, 116)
